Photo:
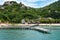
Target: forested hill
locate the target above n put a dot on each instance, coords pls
(52, 10)
(11, 11)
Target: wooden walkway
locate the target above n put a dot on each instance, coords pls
(29, 28)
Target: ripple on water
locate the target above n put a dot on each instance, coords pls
(28, 35)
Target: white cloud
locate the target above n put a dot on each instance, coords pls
(49, 3)
(9, 0)
(35, 0)
(31, 0)
(32, 3)
(2, 1)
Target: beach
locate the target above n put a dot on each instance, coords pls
(7, 25)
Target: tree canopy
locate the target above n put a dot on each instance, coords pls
(13, 12)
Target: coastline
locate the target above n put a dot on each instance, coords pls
(6, 25)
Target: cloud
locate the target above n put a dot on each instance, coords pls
(9, 0)
(32, 3)
(37, 3)
(30, 0)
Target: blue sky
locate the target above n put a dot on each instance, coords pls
(32, 3)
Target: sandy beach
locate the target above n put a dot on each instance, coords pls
(6, 25)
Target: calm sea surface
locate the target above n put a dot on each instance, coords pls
(12, 34)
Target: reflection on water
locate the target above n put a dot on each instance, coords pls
(29, 34)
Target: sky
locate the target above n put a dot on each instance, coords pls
(32, 3)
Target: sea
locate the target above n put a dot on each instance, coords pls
(19, 34)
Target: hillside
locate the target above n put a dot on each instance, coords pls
(52, 10)
(13, 12)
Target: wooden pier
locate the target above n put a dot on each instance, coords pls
(40, 29)
(28, 28)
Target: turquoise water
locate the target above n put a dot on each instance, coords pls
(12, 34)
